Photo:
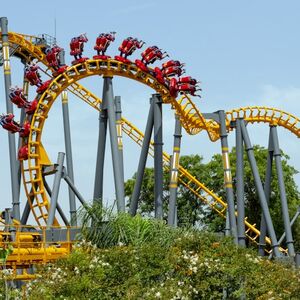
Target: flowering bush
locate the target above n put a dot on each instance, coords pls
(194, 265)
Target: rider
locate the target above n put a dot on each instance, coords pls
(103, 41)
(17, 97)
(32, 75)
(77, 46)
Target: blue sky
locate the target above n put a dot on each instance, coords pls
(243, 52)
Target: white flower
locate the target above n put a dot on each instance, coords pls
(157, 295)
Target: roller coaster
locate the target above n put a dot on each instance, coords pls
(48, 240)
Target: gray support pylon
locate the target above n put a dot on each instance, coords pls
(227, 175)
(158, 156)
(55, 189)
(98, 185)
(240, 185)
(119, 185)
(9, 107)
(26, 210)
(76, 192)
(119, 132)
(142, 161)
(69, 158)
(58, 207)
(25, 214)
(174, 166)
(295, 217)
(227, 224)
(297, 260)
(291, 224)
(283, 199)
(267, 189)
(260, 190)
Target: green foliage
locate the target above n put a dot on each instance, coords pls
(191, 211)
(5, 252)
(195, 265)
(105, 229)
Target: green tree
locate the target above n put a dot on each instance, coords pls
(190, 209)
(193, 212)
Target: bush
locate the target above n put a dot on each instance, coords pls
(148, 260)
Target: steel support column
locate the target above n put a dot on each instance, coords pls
(174, 166)
(158, 159)
(227, 224)
(240, 185)
(9, 107)
(58, 207)
(227, 174)
(294, 219)
(69, 158)
(27, 209)
(142, 161)
(55, 189)
(267, 189)
(119, 133)
(260, 190)
(98, 185)
(119, 185)
(284, 204)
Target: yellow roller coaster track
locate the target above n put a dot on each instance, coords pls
(191, 119)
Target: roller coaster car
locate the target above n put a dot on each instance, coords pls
(102, 43)
(141, 65)
(79, 60)
(17, 97)
(32, 75)
(25, 130)
(31, 107)
(188, 88)
(173, 87)
(151, 54)
(159, 75)
(188, 79)
(8, 123)
(128, 46)
(172, 63)
(173, 71)
(23, 153)
(60, 70)
(77, 46)
(43, 86)
(52, 56)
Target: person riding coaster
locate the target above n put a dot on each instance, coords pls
(102, 43)
(17, 97)
(173, 68)
(149, 56)
(77, 47)
(7, 122)
(128, 46)
(53, 59)
(34, 78)
(184, 85)
(32, 75)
